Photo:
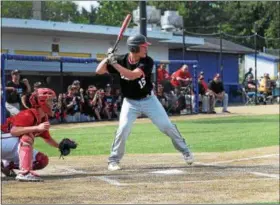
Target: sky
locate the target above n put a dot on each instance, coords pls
(86, 4)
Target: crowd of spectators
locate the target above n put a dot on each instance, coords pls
(266, 88)
(75, 105)
(179, 97)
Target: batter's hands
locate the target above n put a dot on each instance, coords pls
(111, 59)
(110, 50)
(43, 127)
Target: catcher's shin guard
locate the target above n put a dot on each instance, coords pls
(25, 153)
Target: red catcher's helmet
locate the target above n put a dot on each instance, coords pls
(44, 98)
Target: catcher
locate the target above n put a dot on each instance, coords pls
(18, 135)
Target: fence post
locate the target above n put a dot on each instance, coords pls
(61, 89)
(255, 42)
(3, 89)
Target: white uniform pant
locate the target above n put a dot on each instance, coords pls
(10, 149)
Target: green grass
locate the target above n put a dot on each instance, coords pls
(203, 135)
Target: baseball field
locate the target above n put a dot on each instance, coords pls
(237, 161)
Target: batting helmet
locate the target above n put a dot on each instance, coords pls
(44, 98)
(135, 41)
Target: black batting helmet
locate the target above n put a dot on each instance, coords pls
(133, 42)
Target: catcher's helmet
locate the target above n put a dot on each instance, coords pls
(44, 98)
(135, 41)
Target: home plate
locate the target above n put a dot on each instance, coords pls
(168, 172)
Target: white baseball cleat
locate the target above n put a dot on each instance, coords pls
(189, 158)
(113, 166)
(28, 178)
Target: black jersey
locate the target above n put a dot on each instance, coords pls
(140, 87)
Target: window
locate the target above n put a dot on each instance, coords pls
(55, 48)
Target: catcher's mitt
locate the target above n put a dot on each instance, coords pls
(65, 146)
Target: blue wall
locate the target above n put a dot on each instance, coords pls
(209, 63)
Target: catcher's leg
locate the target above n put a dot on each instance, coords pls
(25, 159)
(9, 152)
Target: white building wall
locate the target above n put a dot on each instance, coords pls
(13, 41)
(263, 66)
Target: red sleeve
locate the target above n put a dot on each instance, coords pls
(45, 135)
(188, 75)
(24, 119)
(177, 74)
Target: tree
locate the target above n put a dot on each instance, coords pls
(16, 9)
(112, 13)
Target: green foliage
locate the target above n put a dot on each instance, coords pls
(113, 12)
(203, 135)
(236, 18)
(16, 9)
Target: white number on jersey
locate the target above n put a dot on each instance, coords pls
(142, 82)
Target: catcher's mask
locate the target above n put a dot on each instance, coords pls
(44, 98)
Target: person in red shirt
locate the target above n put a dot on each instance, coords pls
(181, 77)
(162, 74)
(18, 135)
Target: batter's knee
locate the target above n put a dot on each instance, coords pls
(165, 126)
(41, 161)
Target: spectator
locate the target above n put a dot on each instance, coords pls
(73, 105)
(206, 96)
(98, 103)
(162, 98)
(118, 99)
(14, 92)
(162, 74)
(250, 84)
(217, 88)
(80, 94)
(249, 73)
(265, 85)
(110, 108)
(181, 77)
(89, 105)
(25, 98)
(48, 83)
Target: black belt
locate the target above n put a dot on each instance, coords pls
(140, 98)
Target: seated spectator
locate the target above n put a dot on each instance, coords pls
(249, 73)
(110, 108)
(161, 97)
(118, 99)
(25, 98)
(80, 94)
(205, 95)
(15, 90)
(265, 85)
(217, 88)
(162, 74)
(250, 85)
(181, 77)
(180, 101)
(73, 105)
(97, 103)
(90, 102)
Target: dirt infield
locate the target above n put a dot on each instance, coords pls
(246, 176)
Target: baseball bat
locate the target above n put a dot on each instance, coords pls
(122, 30)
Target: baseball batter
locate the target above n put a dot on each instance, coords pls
(135, 69)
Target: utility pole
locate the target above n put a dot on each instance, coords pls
(221, 53)
(143, 18)
(184, 43)
(256, 79)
